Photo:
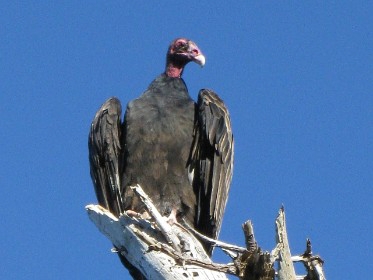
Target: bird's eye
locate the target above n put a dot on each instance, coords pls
(181, 45)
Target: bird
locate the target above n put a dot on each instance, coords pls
(178, 150)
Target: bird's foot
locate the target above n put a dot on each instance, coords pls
(133, 214)
(171, 219)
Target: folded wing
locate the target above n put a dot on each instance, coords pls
(211, 161)
(104, 154)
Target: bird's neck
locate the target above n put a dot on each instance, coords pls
(174, 70)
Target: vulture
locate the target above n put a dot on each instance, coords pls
(179, 151)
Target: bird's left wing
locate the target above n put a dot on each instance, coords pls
(212, 161)
(104, 152)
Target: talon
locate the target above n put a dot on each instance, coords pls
(171, 219)
(132, 213)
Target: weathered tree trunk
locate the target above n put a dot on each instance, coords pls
(139, 243)
(163, 251)
(286, 269)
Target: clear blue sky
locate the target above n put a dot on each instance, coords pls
(297, 78)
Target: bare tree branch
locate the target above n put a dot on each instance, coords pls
(313, 264)
(286, 268)
(162, 251)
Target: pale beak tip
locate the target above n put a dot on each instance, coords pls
(200, 59)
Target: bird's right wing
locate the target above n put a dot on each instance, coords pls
(104, 152)
(212, 156)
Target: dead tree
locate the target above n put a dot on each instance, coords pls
(163, 251)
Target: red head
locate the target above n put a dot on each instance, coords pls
(181, 52)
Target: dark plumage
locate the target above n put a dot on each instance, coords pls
(180, 152)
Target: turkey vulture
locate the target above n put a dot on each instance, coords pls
(179, 151)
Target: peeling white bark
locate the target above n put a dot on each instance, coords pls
(132, 237)
(286, 268)
(171, 252)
